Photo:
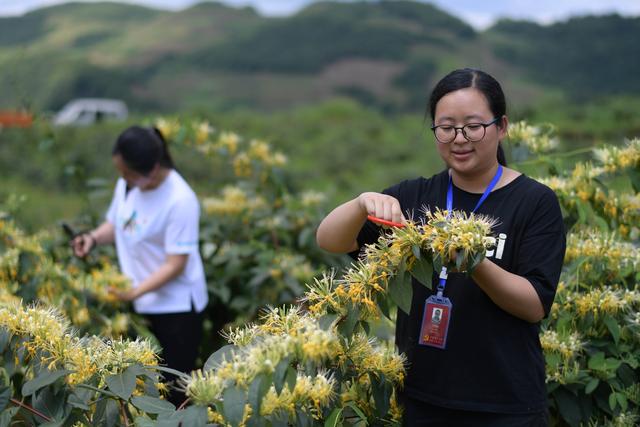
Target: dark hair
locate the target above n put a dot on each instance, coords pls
(465, 78)
(142, 149)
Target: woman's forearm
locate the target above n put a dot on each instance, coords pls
(338, 231)
(172, 268)
(513, 293)
(103, 234)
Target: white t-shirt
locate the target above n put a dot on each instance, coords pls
(149, 225)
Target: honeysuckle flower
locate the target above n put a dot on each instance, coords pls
(48, 334)
(537, 139)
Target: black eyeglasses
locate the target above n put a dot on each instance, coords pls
(472, 132)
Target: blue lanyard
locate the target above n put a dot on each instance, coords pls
(487, 191)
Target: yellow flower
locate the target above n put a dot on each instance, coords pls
(229, 141)
(168, 127)
(242, 165)
(203, 130)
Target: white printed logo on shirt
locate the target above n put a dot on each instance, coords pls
(499, 250)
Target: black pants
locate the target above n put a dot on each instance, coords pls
(179, 335)
(422, 414)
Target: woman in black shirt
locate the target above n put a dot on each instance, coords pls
(491, 369)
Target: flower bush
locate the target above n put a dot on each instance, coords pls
(316, 359)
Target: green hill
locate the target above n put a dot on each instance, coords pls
(585, 57)
(385, 54)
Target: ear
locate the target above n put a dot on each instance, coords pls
(503, 128)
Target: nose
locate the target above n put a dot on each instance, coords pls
(459, 138)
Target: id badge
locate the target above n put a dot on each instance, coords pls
(435, 322)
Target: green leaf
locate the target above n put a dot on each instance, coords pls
(27, 262)
(475, 260)
(291, 378)
(347, 325)
(122, 384)
(596, 362)
(77, 401)
(303, 419)
(437, 262)
(5, 337)
(582, 211)
(53, 423)
(152, 405)
(622, 401)
(7, 415)
(381, 390)
(400, 290)
(45, 378)
(234, 400)
(634, 177)
(224, 353)
(627, 374)
(257, 390)
(326, 321)
(50, 403)
(568, 406)
(601, 223)
(144, 422)
(613, 401)
(613, 327)
(111, 414)
(259, 278)
(194, 416)
(279, 374)
(150, 387)
(306, 237)
(5, 397)
(416, 252)
(383, 302)
(334, 418)
(280, 419)
(591, 385)
(612, 364)
(423, 272)
(358, 411)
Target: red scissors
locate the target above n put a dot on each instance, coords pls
(384, 221)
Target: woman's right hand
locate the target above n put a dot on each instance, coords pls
(83, 244)
(381, 206)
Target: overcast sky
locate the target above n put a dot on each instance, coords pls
(480, 14)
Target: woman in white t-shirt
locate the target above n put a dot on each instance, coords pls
(153, 220)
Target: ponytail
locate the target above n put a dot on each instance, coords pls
(165, 160)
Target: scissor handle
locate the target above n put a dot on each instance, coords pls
(384, 221)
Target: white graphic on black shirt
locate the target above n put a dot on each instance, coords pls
(499, 247)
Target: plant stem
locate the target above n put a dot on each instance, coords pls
(183, 404)
(123, 412)
(30, 409)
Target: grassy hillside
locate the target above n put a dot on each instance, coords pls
(384, 54)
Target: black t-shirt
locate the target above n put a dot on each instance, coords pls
(493, 360)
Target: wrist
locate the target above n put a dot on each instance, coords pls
(92, 239)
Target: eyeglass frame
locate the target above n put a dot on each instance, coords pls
(461, 129)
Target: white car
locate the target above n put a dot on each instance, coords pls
(87, 111)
